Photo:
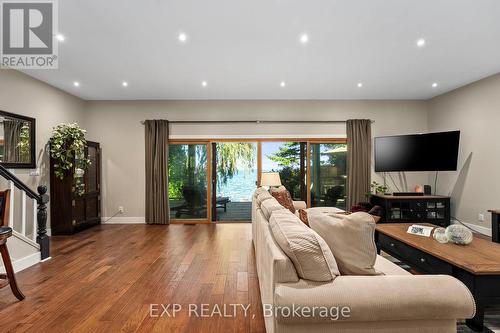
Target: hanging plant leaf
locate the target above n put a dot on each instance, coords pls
(67, 142)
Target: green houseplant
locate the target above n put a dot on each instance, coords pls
(376, 188)
(67, 148)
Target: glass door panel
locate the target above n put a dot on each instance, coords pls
(287, 158)
(187, 186)
(92, 168)
(328, 174)
(235, 173)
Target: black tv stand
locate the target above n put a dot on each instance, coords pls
(408, 194)
(414, 209)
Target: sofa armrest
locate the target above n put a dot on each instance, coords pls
(379, 298)
(299, 205)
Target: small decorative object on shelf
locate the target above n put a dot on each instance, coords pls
(419, 189)
(440, 235)
(459, 234)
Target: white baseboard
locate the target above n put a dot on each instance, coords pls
(23, 263)
(475, 227)
(123, 220)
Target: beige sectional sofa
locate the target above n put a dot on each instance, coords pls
(394, 302)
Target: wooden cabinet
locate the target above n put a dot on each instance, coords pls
(416, 209)
(76, 200)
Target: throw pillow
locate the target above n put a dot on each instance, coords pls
(308, 252)
(351, 239)
(263, 197)
(277, 189)
(269, 206)
(303, 216)
(285, 199)
(259, 191)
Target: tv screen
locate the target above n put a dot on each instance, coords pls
(418, 152)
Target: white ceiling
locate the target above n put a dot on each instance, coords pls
(245, 48)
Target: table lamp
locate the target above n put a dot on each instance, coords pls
(271, 179)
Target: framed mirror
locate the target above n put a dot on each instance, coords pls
(17, 141)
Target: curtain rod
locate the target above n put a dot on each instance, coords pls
(256, 121)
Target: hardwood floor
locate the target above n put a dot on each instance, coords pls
(106, 278)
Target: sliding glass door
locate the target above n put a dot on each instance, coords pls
(288, 158)
(234, 177)
(328, 175)
(188, 181)
(213, 181)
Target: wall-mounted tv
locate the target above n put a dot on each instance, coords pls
(417, 152)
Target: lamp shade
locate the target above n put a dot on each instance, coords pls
(270, 179)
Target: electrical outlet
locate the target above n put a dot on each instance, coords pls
(35, 172)
(120, 209)
(480, 217)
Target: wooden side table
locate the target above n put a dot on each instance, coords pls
(495, 225)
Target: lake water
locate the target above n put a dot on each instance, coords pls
(240, 187)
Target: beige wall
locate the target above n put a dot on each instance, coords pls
(21, 94)
(116, 124)
(475, 110)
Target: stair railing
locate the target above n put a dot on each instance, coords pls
(39, 210)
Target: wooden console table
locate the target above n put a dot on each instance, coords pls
(477, 265)
(495, 225)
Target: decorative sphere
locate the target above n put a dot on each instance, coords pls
(459, 234)
(440, 235)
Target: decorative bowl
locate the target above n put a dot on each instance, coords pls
(440, 235)
(459, 234)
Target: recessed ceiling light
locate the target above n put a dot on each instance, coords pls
(421, 42)
(125, 83)
(282, 84)
(304, 38)
(60, 37)
(360, 84)
(434, 85)
(182, 37)
(204, 83)
(76, 84)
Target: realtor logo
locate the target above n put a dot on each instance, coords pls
(28, 34)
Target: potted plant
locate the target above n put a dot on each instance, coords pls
(67, 148)
(376, 188)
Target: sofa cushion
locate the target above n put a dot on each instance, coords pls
(324, 210)
(312, 258)
(351, 239)
(387, 267)
(258, 191)
(378, 299)
(285, 199)
(269, 206)
(263, 197)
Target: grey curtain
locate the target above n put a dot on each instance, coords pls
(359, 147)
(156, 138)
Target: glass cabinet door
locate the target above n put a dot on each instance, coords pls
(92, 177)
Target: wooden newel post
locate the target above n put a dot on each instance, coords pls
(42, 237)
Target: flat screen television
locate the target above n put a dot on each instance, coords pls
(417, 152)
